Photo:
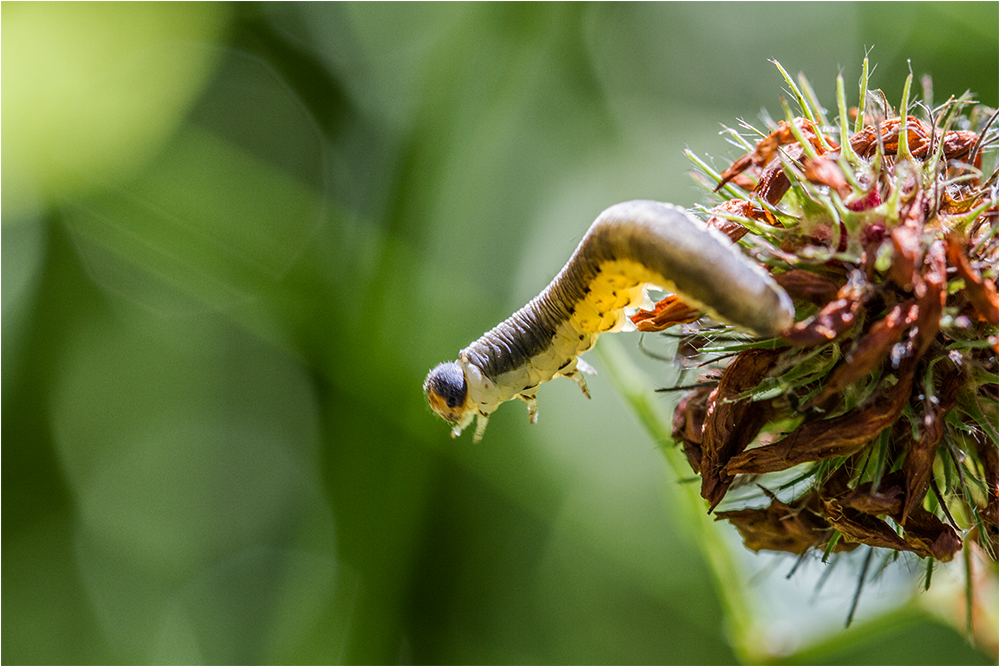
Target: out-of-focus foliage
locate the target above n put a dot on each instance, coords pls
(236, 237)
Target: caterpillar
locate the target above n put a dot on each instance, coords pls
(628, 247)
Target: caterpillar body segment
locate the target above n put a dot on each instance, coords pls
(629, 246)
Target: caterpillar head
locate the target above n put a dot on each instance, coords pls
(448, 395)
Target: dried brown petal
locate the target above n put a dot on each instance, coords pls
(731, 423)
(865, 142)
(767, 148)
(857, 526)
(688, 422)
(958, 144)
(931, 291)
(824, 170)
(832, 320)
(734, 230)
(823, 439)
(773, 182)
(907, 245)
(928, 536)
(886, 499)
(871, 350)
(923, 533)
(667, 312)
(907, 248)
(743, 181)
(982, 293)
(807, 286)
(781, 527)
(920, 459)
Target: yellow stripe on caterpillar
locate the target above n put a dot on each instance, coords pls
(628, 247)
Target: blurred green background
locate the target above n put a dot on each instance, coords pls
(234, 239)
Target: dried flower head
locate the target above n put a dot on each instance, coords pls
(874, 418)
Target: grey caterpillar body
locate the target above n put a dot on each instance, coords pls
(629, 246)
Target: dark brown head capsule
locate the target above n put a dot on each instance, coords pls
(447, 390)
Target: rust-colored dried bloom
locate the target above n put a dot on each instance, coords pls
(883, 229)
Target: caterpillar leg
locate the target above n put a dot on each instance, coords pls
(481, 420)
(576, 375)
(532, 402)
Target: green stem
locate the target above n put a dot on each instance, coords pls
(633, 385)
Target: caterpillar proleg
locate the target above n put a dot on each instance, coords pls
(629, 246)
